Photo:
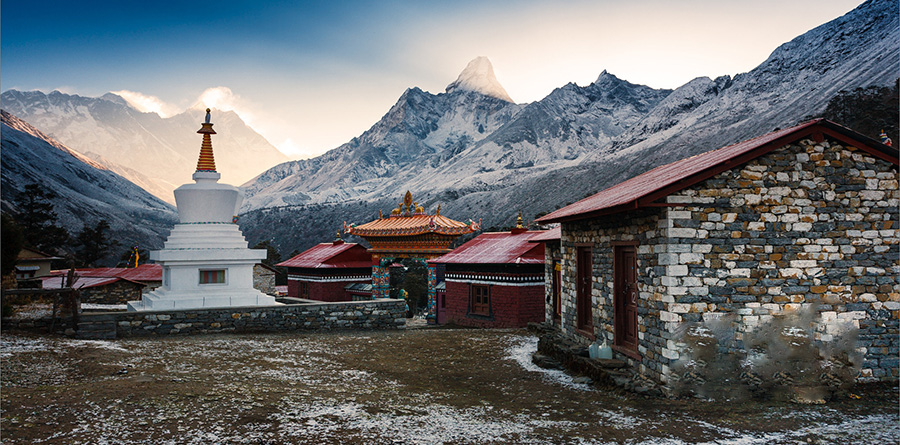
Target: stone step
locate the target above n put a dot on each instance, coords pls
(609, 363)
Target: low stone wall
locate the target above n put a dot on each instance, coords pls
(374, 314)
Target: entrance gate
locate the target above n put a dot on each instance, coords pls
(409, 232)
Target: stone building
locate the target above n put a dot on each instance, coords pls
(495, 280)
(264, 278)
(325, 270)
(798, 221)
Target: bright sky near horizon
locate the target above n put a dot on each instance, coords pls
(310, 76)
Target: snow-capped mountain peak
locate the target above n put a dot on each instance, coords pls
(478, 76)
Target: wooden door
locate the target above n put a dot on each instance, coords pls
(557, 303)
(625, 304)
(441, 307)
(583, 269)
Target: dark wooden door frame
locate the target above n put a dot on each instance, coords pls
(625, 296)
(583, 294)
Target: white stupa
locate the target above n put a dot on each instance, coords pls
(206, 262)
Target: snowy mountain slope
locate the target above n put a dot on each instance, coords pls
(461, 139)
(555, 132)
(86, 190)
(798, 79)
(161, 149)
(418, 134)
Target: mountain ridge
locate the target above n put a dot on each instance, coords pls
(86, 191)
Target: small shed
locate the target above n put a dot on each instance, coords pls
(322, 272)
(495, 280)
(32, 263)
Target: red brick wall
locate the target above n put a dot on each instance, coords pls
(329, 291)
(511, 306)
(293, 288)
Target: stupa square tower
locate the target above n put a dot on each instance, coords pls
(206, 260)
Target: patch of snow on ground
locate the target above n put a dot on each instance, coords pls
(521, 350)
(100, 344)
(10, 345)
(440, 424)
(105, 307)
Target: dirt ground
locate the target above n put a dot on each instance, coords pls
(414, 386)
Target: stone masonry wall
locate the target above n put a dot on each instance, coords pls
(601, 233)
(375, 314)
(120, 292)
(807, 227)
(551, 254)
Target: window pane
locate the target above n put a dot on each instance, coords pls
(212, 276)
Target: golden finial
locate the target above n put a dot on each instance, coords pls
(337, 235)
(407, 201)
(207, 161)
(380, 215)
(438, 211)
(519, 221)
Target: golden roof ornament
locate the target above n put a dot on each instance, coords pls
(419, 209)
(380, 215)
(206, 162)
(519, 221)
(408, 201)
(438, 211)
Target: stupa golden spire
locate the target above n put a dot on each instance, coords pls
(206, 163)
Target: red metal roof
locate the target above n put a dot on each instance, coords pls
(644, 189)
(144, 272)
(412, 225)
(497, 248)
(554, 234)
(331, 255)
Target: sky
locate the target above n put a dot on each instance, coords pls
(310, 76)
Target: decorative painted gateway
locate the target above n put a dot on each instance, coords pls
(801, 220)
(409, 232)
(324, 271)
(205, 260)
(494, 281)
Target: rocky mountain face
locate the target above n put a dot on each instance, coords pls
(158, 153)
(483, 157)
(461, 139)
(86, 191)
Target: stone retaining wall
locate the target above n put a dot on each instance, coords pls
(375, 314)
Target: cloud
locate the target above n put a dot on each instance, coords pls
(220, 98)
(294, 151)
(147, 104)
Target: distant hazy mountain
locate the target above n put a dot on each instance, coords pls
(482, 156)
(86, 190)
(159, 153)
